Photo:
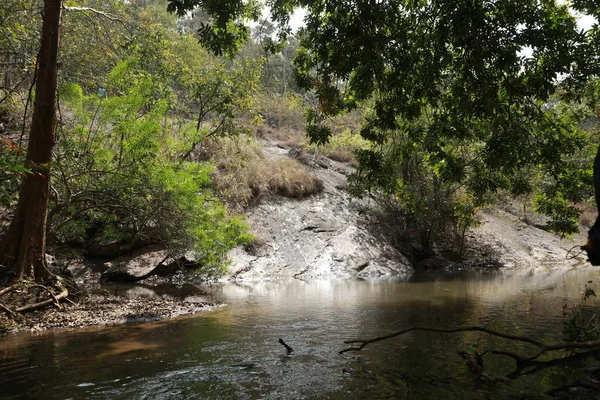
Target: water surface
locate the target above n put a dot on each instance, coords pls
(233, 352)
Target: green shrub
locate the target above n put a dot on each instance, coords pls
(117, 181)
(343, 146)
(11, 170)
(70, 92)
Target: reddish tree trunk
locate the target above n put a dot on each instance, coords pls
(23, 248)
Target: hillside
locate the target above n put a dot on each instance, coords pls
(330, 235)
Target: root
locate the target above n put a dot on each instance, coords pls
(8, 289)
(55, 298)
(56, 302)
(68, 300)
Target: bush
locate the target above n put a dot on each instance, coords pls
(343, 146)
(71, 92)
(421, 210)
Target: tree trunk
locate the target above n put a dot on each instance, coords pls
(23, 248)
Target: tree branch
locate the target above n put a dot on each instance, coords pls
(543, 347)
(364, 342)
(106, 15)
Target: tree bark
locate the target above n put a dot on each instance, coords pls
(23, 248)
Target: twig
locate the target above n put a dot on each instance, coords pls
(8, 310)
(288, 348)
(570, 255)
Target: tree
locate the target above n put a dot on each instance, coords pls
(18, 43)
(23, 248)
(452, 80)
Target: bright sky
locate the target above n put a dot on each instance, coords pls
(584, 22)
(297, 19)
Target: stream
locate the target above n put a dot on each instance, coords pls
(233, 352)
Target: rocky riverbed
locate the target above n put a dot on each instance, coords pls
(99, 306)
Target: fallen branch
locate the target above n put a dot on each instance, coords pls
(587, 383)
(44, 303)
(364, 342)
(531, 367)
(524, 364)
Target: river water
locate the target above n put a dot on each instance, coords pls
(233, 351)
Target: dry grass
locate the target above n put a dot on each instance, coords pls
(287, 137)
(342, 156)
(588, 215)
(246, 175)
(291, 179)
(257, 246)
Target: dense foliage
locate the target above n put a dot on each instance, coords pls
(458, 106)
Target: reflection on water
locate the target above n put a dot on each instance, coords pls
(233, 352)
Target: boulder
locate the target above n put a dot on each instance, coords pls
(106, 250)
(56, 267)
(140, 264)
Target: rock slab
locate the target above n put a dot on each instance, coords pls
(323, 236)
